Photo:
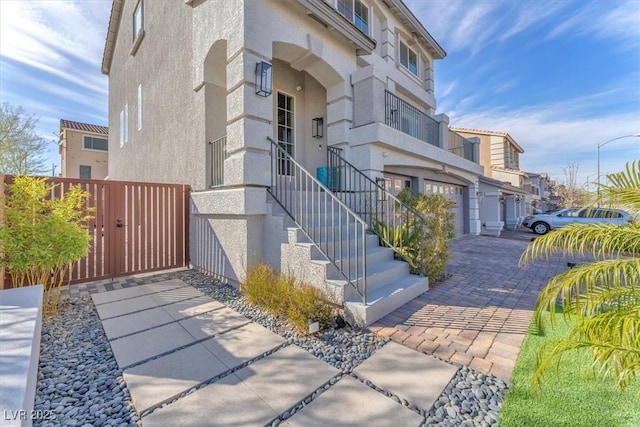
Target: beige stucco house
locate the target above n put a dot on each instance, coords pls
(83, 150)
(504, 201)
(295, 122)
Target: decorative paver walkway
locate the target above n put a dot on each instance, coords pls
(189, 360)
(479, 316)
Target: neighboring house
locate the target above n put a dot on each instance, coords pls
(84, 150)
(344, 88)
(504, 198)
(538, 186)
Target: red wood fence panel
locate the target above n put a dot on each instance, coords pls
(137, 227)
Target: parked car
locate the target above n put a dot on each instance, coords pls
(542, 223)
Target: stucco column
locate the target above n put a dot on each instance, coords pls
(491, 207)
(476, 149)
(443, 119)
(475, 225)
(339, 114)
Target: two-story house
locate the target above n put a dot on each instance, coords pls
(502, 195)
(83, 150)
(295, 122)
(538, 186)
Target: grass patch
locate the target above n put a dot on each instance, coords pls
(566, 398)
(282, 295)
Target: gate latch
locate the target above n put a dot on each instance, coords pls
(119, 223)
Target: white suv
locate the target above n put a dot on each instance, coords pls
(542, 223)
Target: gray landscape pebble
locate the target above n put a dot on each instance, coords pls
(80, 384)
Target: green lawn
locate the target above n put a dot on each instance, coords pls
(566, 399)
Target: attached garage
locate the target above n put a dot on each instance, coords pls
(452, 192)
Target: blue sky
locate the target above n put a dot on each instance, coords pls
(561, 76)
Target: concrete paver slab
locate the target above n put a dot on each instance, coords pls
(175, 295)
(351, 403)
(192, 307)
(143, 345)
(227, 402)
(135, 322)
(161, 379)
(165, 285)
(242, 344)
(213, 323)
(407, 373)
(286, 377)
(117, 295)
(131, 305)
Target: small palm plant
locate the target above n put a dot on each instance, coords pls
(604, 294)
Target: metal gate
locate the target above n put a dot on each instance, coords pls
(136, 228)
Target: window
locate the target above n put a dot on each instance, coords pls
(124, 125)
(137, 21)
(285, 132)
(139, 107)
(85, 172)
(356, 12)
(94, 143)
(408, 59)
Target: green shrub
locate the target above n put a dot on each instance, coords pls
(438, 228)
(282, 296)
(42, 237)
(306, 303)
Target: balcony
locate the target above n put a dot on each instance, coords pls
(406, 118)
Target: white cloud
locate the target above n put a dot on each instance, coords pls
(619, 20)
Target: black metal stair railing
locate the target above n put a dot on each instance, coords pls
(336, 230)
(398, 225)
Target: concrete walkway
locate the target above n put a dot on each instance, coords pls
(189, 360)
(479, 316)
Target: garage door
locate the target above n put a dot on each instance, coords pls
(454, 193)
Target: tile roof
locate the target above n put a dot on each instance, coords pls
(85, 127)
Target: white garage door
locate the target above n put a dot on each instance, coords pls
(452, 192)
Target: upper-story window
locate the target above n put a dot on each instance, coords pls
(356, 12)
(94, 143)
(137, 20)
(408, 58)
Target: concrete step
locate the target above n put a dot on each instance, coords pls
(383, 300)
(379, 274)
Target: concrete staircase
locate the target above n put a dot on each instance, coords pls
(389, 283)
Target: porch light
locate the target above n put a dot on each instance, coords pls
(517, 199)
(316, 127)
(501, 199)
(263, 79)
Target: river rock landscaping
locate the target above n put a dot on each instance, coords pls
(80, 384)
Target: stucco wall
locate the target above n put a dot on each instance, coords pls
(75, 155)
(170, 147)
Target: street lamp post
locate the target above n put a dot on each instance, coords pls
(602, 145)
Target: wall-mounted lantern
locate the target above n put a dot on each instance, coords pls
(263, 79)
(317, 127)
(518, 199)
(501, 199)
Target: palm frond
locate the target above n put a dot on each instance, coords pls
(579, 288)
(624, 190)
(622, 362)
(597, 240)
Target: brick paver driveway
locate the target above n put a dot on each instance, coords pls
(478, 316)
